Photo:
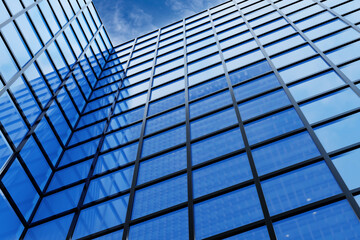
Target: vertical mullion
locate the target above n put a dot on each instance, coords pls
(188, 144)
(141, 140)
(259, 190)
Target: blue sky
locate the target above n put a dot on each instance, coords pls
(127, 19)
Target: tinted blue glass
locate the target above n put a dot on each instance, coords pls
(339, 133)
(249, 72)
(111, 236)
(207, 87)
(226, 212)
(299, 187)
(8, 67)
(216, 146)
(87, 133)
(210, 103)
(56, 229)
(68, 107)
(36, 162)
(172, 226)
(60, 124)
(347, 164)
(206, 74)
(49, 16)
(16, 43)
(165, 120)
(330, 105)
(116, 158)
(79, 152)
(11, 226)
(335, 221)
(11, 119)
(39, 24)
(109, 184)
(59, 202)
(272, 126)
(38, 84)
(164, 140)
(258, 233)
(20, 188)
(127, 118)
(293, 56)
(101, 216)
(221, 175)
(5, 150)
(166, 103)
(48, 71)
(70, 175)
(344, 54)
(160, 196)
(213, 122)
(122, 136)
(315, 85)
(352, 70)
(285, 152)
(162, 165)
(263, 104)
(28, 33)
(254, 87)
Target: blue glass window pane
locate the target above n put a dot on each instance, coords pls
(126, 118)
(216, 146)
(49, 16)
(87, 133)
(165, 120)
(272, 126)
(16, 44)
(210, 103)
(221, 175)
(25, 99)
(160, 196)
(48, 71)
(116, 158)
(315, 85)
(68, 107)
(122, 136)
(60, 124)
(303, 69)
(14, 6)
(337, 39)
(58, 11)
(284, 153)
(206, 74)
(344, 54)
(11, 119)
(263, 104)
(330, 105)
(70, 175)
(109, 184)
(79, 152)
(348, 165)
(299, 187)
(226, 212)
(166, 103)
(28, 33)
(5, 150)
(39, 24)
(20, 188)
(164, 140)
(48, 140)
(11, 226)
(8, 67)
(352, 70)
(36, 162)
(335, 221)
(162, 165)
(172, 226)
(55, 230)
(254, 87)
(258, 233)
(111, 236)
(102, 216)
(249, 72)
(213, 122)
(38, 84)
(207, 88)
(293, 56)
(59, 202)
(340, 133)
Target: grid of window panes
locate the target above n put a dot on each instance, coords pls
(52, 55)
(240, 122)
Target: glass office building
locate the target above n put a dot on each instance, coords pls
(240, 122)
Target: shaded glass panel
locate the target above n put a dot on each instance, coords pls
(348, 165)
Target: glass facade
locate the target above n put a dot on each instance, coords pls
(240, 122)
